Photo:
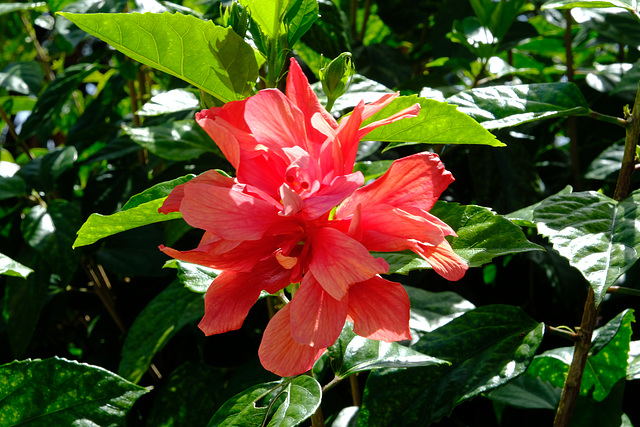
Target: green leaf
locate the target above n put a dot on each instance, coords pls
(14, 104)
(487, 347)
(594, 232)
(604, 368)
(243, 409)
(22, 77)
(352, 353)
(524, 216)
(50, 231)
(527, 392)
(50, 104)
(569, 4)
(179, 140)
(170, 102)
(303, 396)
(482, 236)
(12, 7)
(372, 170)
(24, 301)
(187, 396)
(59, 392)
(437, 123)
(497, 16)
(633, 368)
(210, 57)
(141, 209)
(9, 267)
(13, 186)
(300, 15)
(196, 278)
(431, 310)
(267, 14)
(497, 107)
(160, 320)
(606, 164)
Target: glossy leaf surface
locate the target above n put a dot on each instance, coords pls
(598, 235)
(497, 107)
(437, 123)
(10, 267)
(352, 353)
(603, 369)
(141, 209)
(175, 44)
(62, 392)
(482, 236)
(487, 347)
(295, 400)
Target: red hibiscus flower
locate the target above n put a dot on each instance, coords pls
(296, 213)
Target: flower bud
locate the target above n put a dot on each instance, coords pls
(336, 76)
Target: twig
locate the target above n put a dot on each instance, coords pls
(571, 388)
(43, 57)
(355, 390)
(628, 158)
(624, 291)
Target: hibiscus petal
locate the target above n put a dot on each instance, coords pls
(337, 261)
(388, 229)
(232, 255)
(228, 213)
(302, 96)
(331, 195)
(443, 260)
(280, 353)
(226, 126)
(174, 200)
(232, 294)
(411, 182)
(380, 310)
(274, 121)
(316, 317)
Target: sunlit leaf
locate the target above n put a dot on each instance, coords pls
(594, 232)
(482, 236)
(12, 7)
(10, 267)
(267, 14)
(22, 77)
(431, 310)
(195, 277)
(568, 4)
(60, 392)
(302, 397)
(633, 369)
(50, 231)
(437, 123)
(602, 370)
(502, 106)
(352, 353)
(178, 140)
(142, 209)
(607, 163)
(299, 17)
(169, 102)
(160, 320)
(210, 57)
(487, 347)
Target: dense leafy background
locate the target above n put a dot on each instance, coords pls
(85, 128)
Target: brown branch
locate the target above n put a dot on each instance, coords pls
(628, 158)
(571, 388)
